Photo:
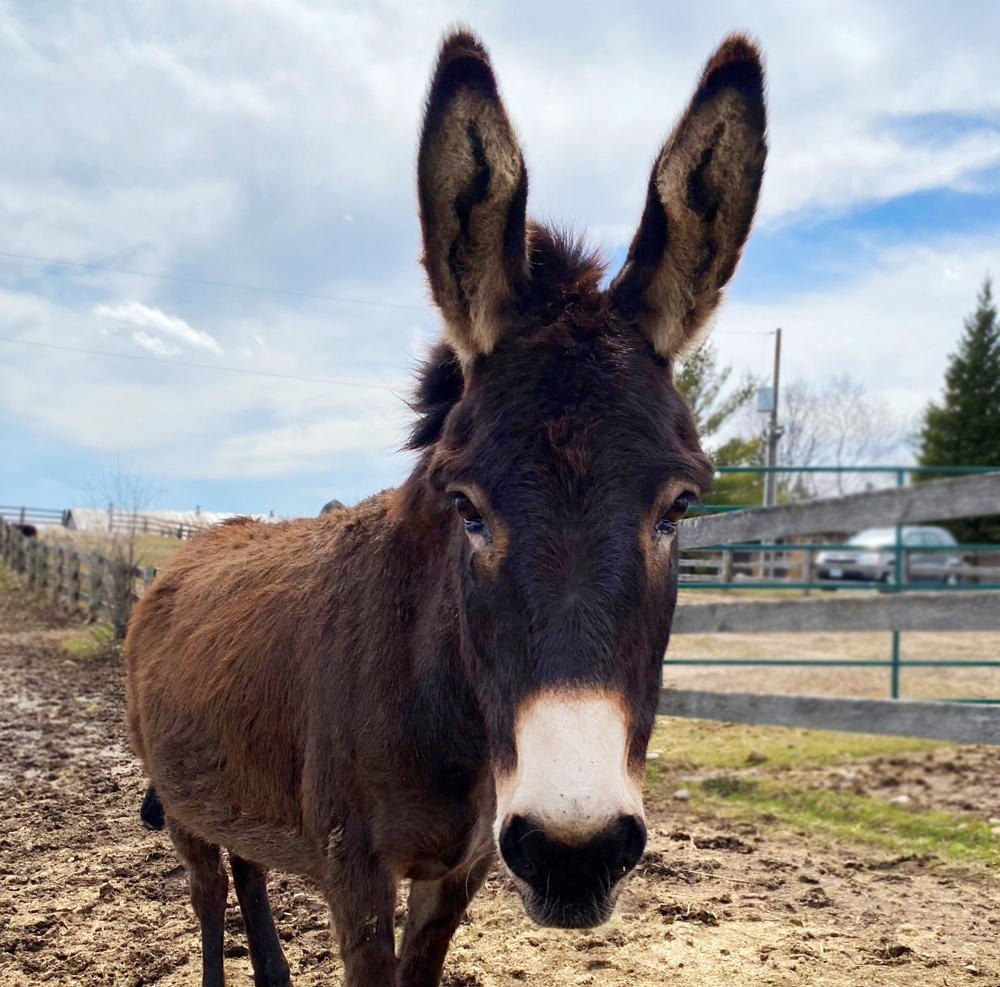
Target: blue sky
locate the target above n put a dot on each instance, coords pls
(272, 145)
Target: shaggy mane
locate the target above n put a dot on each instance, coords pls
(560, 264)
(439, 387)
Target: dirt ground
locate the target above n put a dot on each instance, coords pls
(937, 682)
(89, 898)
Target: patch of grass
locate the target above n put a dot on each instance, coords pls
(854, 818)
(763, 775)
(8, 581)
(700, 745)
(92, 641)
(156, 550)
(726, 786)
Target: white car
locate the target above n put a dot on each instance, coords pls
(871, 557)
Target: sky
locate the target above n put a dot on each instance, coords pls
(190, 189)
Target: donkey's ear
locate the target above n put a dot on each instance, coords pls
(700, 204)
(473, 188)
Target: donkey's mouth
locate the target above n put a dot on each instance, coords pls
(565, 885)
(568, 912)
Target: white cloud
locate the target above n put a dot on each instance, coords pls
(147, 325)
(892, 326)
(306, 447)
(284, 158)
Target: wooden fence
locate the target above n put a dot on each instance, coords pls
(101, 585)
(112, 520)
(31, 515)
(143, 524)
(944, 610)
(940, 500)
(74, 579)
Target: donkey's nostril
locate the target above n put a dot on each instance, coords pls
(515, 847)
(630, 842)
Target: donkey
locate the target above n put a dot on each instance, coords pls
(470, 661)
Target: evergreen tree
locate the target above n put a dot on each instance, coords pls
(701, 383)
(739, 489)
(964, 429)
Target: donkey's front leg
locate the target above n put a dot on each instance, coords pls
(434, 910)
(362, 900)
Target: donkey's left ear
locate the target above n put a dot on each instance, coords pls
(700, 204)
(473, 190)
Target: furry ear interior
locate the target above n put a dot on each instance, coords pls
(473, 190)
(700, 203)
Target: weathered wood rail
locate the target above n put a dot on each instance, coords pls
(933, 611)
(960, 722)
(76, 580)
(965, 610)
(31, 515)
(939, 500)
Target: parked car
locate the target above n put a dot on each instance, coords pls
(871, 557)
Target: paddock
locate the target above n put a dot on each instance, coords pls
(726, 893)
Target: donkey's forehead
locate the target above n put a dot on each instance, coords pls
(574, 402)
(581, 362)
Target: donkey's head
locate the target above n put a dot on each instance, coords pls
(562, 455)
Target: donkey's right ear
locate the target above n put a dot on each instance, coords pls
(473, 188)
(700, 204)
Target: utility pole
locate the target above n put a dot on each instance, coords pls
(774, 432)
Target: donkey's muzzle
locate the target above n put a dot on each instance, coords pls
(570, 885)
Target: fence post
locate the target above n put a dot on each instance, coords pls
(14, 554)
(727, 566)
(56, 568)
(42, 551)
(898, 576)
(73, 582)
(95, 581)
(21, 546)
(31, 551)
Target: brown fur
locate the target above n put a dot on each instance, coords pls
(334, 695)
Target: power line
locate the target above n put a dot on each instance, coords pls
(272, 291)
(198, 366)
(212, 284)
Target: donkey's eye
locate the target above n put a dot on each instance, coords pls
(470, 516)
(667, 525)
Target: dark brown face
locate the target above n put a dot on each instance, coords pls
(558, 445)
(566, 465)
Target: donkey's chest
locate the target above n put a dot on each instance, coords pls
(434, 845)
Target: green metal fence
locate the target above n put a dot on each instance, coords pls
(775, 555)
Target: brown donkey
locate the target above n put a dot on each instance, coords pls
(472, 660)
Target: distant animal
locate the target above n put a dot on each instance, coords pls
(471, 661)
(28, 530)
(331, 505)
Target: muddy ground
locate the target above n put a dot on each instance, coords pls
(89, 898)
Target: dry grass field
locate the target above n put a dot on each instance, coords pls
(149, 549)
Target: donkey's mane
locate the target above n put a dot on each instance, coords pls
(561, 263)
(439, 387)
(562, 266)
